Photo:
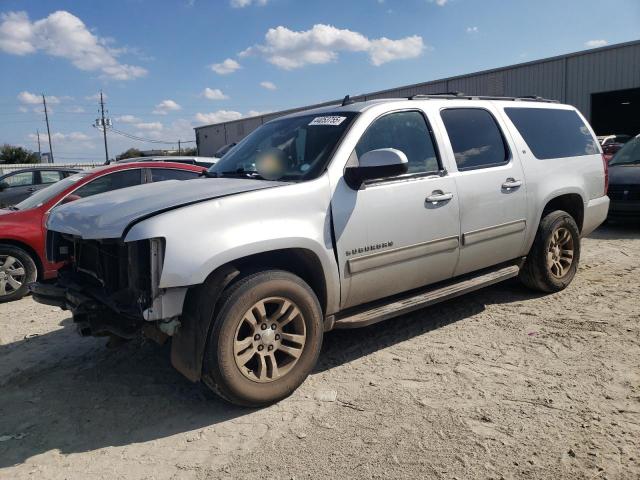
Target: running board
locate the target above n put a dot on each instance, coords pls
(426, 298)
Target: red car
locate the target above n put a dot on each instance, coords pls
(22, 227)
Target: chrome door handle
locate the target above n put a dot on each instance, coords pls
(439, 196)
(511, 183)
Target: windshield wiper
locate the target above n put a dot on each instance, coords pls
(241, 172)
(208, 174)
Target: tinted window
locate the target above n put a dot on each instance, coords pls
(162, 174)
(475, 137)
(50, 176)
(553, 133)
(19, 179)
(628, 155)
(112, 181)
(404, 131)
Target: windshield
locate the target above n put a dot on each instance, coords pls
(291, 149)
(46, 194)
(629, 154)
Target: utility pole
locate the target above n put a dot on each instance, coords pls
(46, 117)
(104, 129)
(179, 149)
(39, 150)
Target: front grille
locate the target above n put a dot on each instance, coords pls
(115, 271)
(624, 193)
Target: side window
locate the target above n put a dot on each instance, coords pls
(162, 174)
(407, 132)
(112, 181)
(553, 132)
(475, 137)
(21, 179)
(50, 176)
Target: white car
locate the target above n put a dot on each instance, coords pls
(338, 217)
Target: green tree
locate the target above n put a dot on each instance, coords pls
(10, 154)
(131, 153)
(189, 152)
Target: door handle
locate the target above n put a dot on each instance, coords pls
(510, 183)
(438, 196)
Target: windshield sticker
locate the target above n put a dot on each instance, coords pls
(329, 120)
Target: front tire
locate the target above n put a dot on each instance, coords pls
(553, 259)
(265, 340)
(17, 271)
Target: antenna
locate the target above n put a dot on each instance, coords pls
(347, 100)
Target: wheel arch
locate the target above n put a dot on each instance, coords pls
(202, 301)
(572, 203)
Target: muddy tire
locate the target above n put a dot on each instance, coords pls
(553, 259)
(17, 271)
(265, 340)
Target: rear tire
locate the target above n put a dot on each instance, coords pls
(265, 340)
(553, 259)
(17, 271)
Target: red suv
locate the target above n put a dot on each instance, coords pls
(22, 226)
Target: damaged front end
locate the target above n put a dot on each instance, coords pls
(112, 287)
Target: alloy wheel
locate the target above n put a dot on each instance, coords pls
(560, 252)
(12, 274)
(269, 339)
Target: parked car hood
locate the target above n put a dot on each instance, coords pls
(109, 214)
(624, 174)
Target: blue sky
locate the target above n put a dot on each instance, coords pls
(168, 65)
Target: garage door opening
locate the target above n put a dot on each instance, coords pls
(616, 112)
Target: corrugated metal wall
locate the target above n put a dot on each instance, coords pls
(569, 78)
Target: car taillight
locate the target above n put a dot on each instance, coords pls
(606, 174)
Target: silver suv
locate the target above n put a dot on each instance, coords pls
(332, 218)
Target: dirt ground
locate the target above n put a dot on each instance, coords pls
(502, 383)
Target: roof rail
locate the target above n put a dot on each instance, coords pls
(462, 96)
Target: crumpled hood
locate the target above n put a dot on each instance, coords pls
(107, 215)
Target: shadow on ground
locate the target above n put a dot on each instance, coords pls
(85, 397)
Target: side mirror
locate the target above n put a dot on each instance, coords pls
(3, 186)
(70, 198)
(381, 163)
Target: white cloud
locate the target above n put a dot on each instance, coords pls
(473, 29)
(218, 116)
(290, 49)
(128, 119)
(257, 113)
(70, 138)
(440, 3)
(166, 106)
(75, 109)
(226, 67)
(246, 3)
(63, 35)
(595, 43)
(268, 85)
(214, 94)
(149, 126)
(29, 98)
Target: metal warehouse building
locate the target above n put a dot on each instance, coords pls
(604, 83)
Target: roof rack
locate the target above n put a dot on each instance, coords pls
(462, 96)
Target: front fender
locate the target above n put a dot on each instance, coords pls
(202, 237)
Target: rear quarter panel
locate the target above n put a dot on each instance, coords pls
(547, 179)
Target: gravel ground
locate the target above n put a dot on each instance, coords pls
(502, 383)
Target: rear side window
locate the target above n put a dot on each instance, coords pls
(476, 139)
(162, 174)
(552, 132)
(112, 181)
(50, 176)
